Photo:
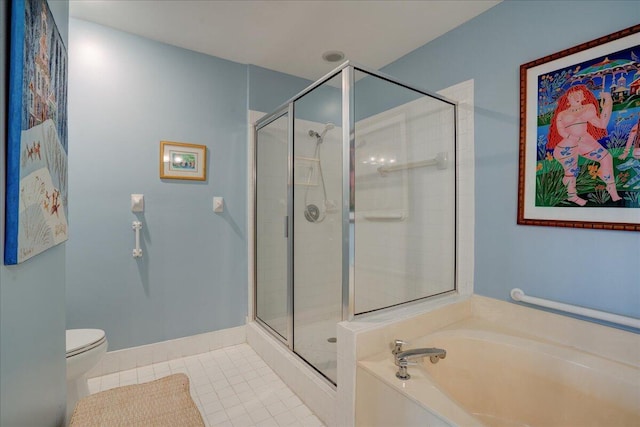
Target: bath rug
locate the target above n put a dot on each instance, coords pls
(163, 402)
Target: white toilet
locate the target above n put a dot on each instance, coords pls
(85, 348)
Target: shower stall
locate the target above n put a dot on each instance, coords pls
(355, 207)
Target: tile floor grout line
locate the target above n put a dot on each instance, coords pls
(232, 387)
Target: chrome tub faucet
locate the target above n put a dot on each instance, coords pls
(403, 358)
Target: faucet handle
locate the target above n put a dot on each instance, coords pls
(397, 346)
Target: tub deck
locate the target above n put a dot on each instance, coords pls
(501, 377)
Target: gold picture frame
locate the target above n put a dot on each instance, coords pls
(179, 160)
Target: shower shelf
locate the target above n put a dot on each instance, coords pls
(306, 171)
(313, 159)
(385, 216)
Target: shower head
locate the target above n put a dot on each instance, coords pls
(320, 136)
(326, 129)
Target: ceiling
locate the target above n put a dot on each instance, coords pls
(286, 36)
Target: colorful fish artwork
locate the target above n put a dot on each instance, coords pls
(36, 208)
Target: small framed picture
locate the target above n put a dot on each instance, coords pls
(183, 161)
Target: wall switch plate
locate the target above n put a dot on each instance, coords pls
(218, 204)
(137, 203)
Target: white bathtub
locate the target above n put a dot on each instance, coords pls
(495, 376)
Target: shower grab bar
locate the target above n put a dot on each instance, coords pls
(440, 160)
(519, 295)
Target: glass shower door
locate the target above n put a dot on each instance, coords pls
(272, 171)
(317, 226)
(356, 219)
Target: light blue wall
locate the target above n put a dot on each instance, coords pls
(32, 316)
(193, 276)
(126, 95)
(269, 89)
(375, 95)
(593, 268)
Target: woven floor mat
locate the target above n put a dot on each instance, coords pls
(163, 402)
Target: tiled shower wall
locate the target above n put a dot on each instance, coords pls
(405, 219)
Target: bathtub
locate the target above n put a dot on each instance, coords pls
(499, 377)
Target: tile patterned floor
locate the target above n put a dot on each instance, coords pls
(232, 387)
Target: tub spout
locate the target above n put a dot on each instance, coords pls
(403, 358)
(434, 354)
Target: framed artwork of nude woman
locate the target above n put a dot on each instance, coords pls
(580, 136)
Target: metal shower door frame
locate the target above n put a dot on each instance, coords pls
(288, 229)
(347, 72)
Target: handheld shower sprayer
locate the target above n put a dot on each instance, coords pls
(312, 212)
(320, 136)
(327, 128)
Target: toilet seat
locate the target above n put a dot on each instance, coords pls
(82, 340)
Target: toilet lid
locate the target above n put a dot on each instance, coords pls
(81, 340)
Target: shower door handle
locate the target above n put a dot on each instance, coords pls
(286, 227)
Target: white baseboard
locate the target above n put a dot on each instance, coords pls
(134, 357)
